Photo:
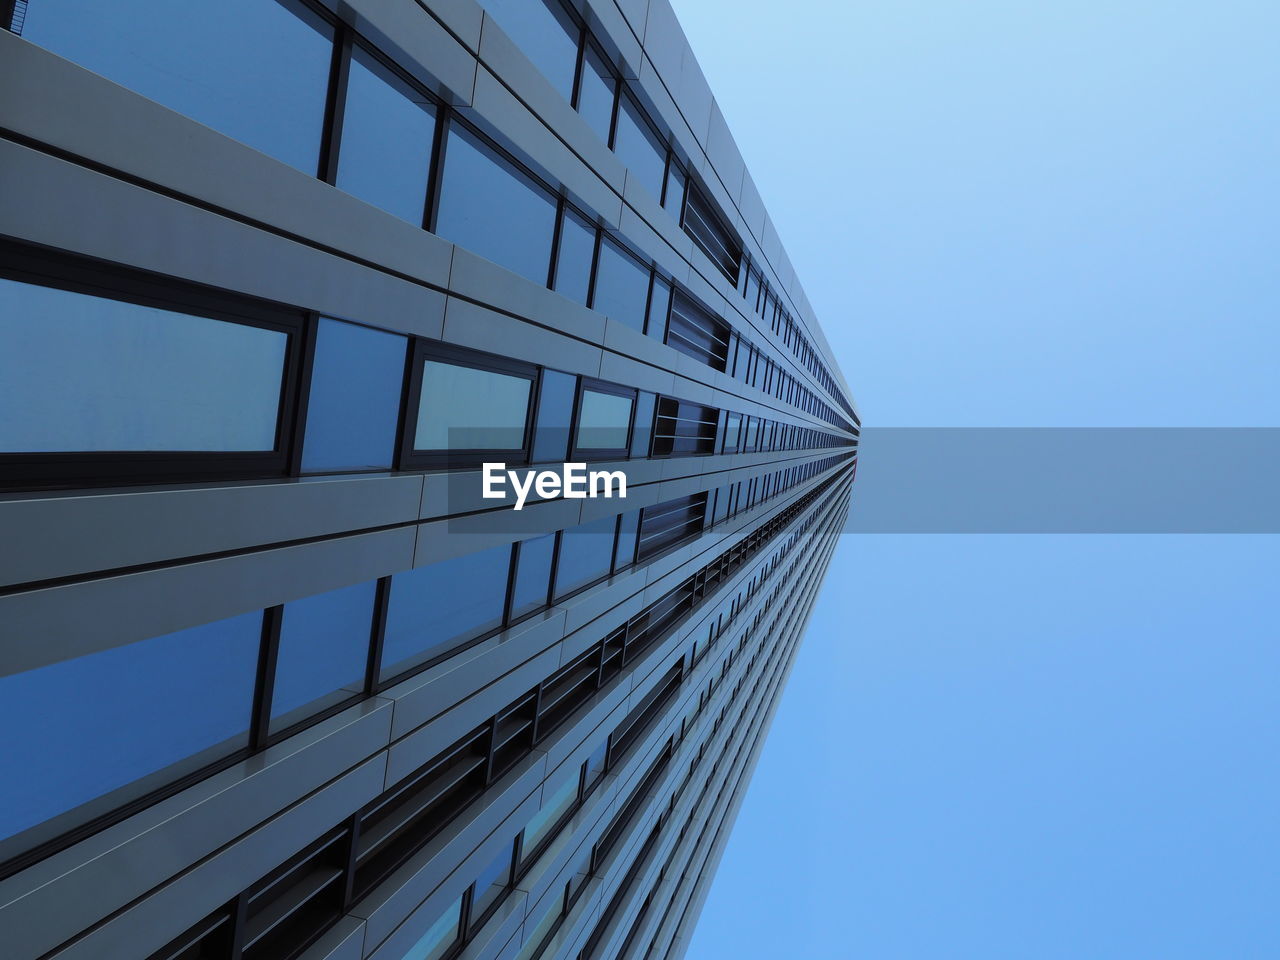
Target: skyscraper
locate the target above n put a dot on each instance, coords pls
(278, 679)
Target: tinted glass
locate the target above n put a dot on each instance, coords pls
(604, 421)
(753, 430)
(676, 185)
(532, 583)
(356, 381)
(435, 608)
(586, 552)
(555, 416)
(625, 553)
(622, 286)
(596, 95)
(659, 307)
(643, 431)
(593, 767)
(490, 884)
(639, 148)
(324, 647)
(387, 132)
(116, 724)
(555, 804)
(573, 264)
(733, 424)
(256, 70)
(544, 33)
(491, 208)
(85, 373)
(465, 408)
(440, 936)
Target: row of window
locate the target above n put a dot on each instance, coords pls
(313, 889)
(184, 703)
(562, 47)
(108, 378)
(390, 143)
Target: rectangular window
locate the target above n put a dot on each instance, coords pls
(698, 333)
(573, 261)
(597, 94)
(491, 207)
(255, 70)
(544, 33)
(357, 379)
(489, 887)
(677, 182)
(556, 395)
(585, 555)
(437, 609)
(440, 936)
(683, 429)
(323, 653)
(703, 223)
(659, 309)
(668, 524)
(733, 426)
(628, 529)
(466, 407)
(556, 804)
(639, 147)
(106, 378)
(604, 421)
(388, 129)
(121, 723)
(642, 434)
(531, 585)
(621, 289)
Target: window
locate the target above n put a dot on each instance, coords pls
(388, 129)
(256, 70)
(545, 34)
(703, 224)
(555, 416)
(628, 529)
(697, 333)
(467, 408)
(489, 887)
(573, 261)
(604, 421)
(556, 803)
(659, 308)
(637, 146)
(440, 936)
(357, 377)
(643, 432)
(140, 387)
(120, 723)
(531, 585)
(323, 652)
(667, 524)
(593, 768)
(597, 93)
(585, 555)
(434, 610)
(492, 208)
(681, 428)
(733, 426)
(621, 286)
(677, 182)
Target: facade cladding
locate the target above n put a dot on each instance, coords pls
(276, 278)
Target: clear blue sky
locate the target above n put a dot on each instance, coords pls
(1021, 214)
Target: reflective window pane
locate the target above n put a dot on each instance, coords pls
(593, 767)
(532, 583)
(387, 132)
(85, 373)
(643, 431)
(596, 96)
(357, 378)
(116, 724)
(491, 884)
(604, 421)
(324, 649)
(555, 416)
(465, 408)
(544, 33)
(586, 552)
(440, 936)
(493, 209)
(659, 308)
(677, 183)
(556, 802)
(639, 148)
(628, 528)
(256, 70)
(733, 424)
(436, 608)
(573, 263)
(622, 286)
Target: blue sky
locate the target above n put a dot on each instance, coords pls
(1013, 214)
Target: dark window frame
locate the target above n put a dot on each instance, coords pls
(590, 454)
(62, 271)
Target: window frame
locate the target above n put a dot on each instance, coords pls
(410, 458)
(590, 454)
(67, 272)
